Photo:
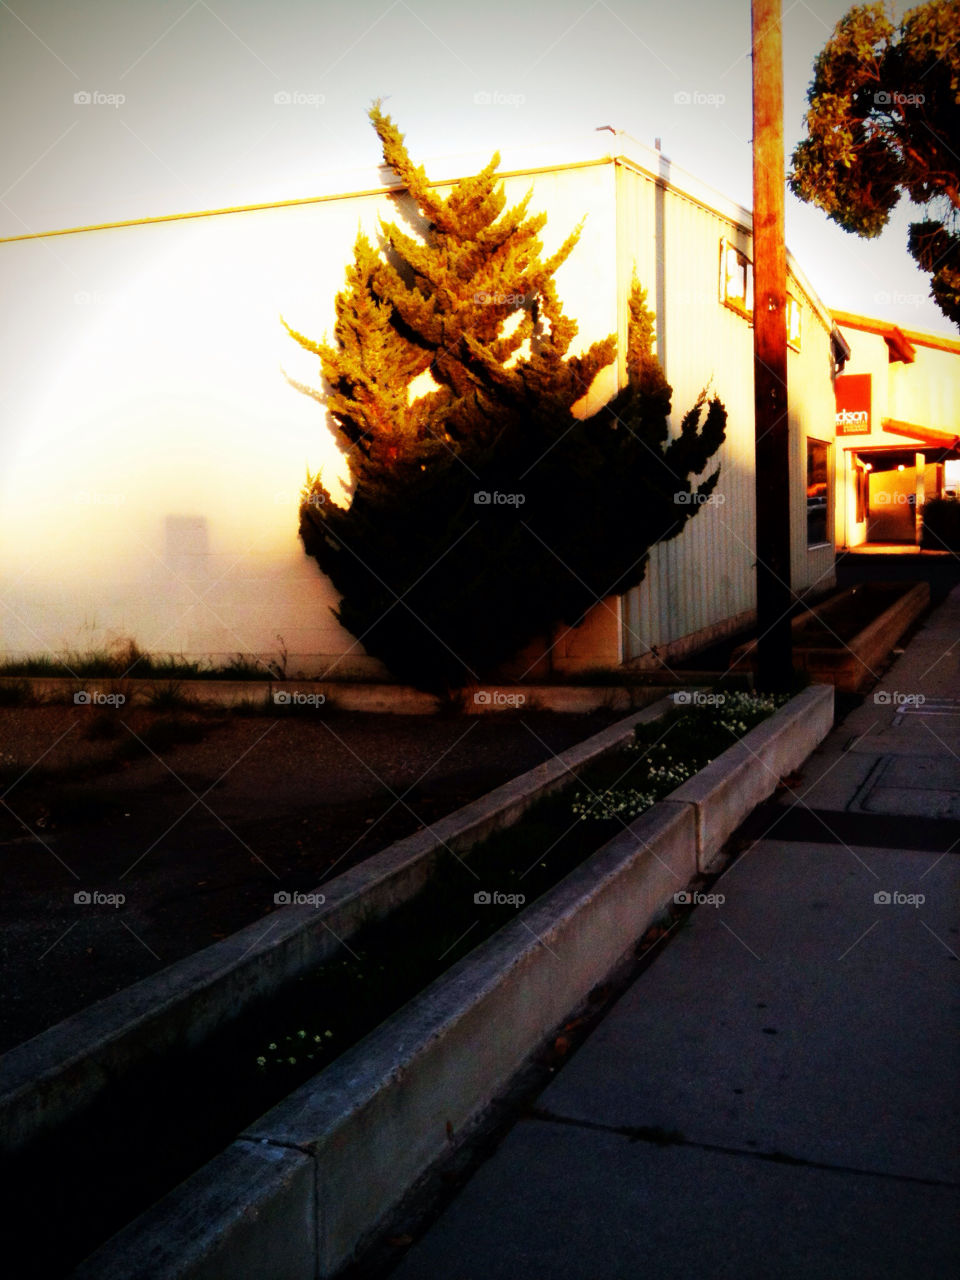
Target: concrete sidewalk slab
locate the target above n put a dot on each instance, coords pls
(913, 711)
(560, 1200)
(920, 773)
(795, 1051)
(778, 1095)
(799, 1016)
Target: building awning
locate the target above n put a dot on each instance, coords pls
(925, 435)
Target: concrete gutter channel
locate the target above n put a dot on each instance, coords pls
(63, 1071)
(299, 1192)
(853, 664)
(849, 669)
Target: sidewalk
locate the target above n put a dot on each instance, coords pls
(778, 1095)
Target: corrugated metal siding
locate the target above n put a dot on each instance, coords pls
(706, 575)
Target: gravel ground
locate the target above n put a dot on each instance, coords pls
(199, 819)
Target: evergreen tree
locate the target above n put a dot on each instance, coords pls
(440, 577)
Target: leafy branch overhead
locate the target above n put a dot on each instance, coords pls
(484, 510)
(884, 122)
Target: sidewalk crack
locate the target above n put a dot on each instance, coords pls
(658, 1136)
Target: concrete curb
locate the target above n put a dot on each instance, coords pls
(392, 1104)
(257, 1203)
(733, 785)
(63, 1071)
(849, 666)
(380, 1116)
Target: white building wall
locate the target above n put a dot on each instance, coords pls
(152, 452)
(927, 391)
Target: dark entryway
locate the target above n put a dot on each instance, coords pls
(892, 499)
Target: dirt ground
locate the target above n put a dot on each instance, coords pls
(199, 819)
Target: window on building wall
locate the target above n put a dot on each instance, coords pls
(793, 323)
(818, 492)
(736, 279)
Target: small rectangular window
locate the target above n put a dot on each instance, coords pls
(736, 279)
(793, 323)
(818, 492)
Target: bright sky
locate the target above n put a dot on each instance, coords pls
(181, 111)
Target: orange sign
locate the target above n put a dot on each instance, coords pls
(854, 394)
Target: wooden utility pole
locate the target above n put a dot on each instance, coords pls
(774, 597)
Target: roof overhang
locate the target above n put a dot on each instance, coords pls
(904, 339)
(898, 344)
(925, 435)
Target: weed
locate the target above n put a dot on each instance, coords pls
(241, 668)
(126, 658)
(672, 749)
(167, 696)
(281, 666)
(162, 735)
(261, 706)
(16, 693)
